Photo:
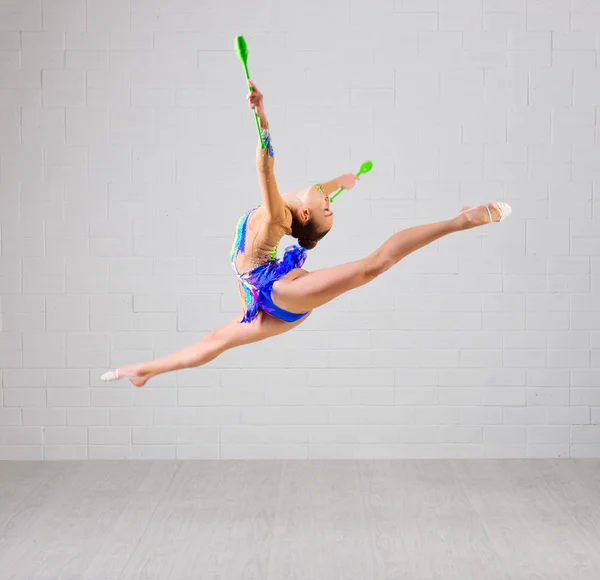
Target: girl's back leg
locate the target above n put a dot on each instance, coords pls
(302, 291)
(233, 334)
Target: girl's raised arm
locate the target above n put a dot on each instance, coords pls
(273, 203)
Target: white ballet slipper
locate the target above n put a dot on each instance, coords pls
(110, 376)
(505, 211)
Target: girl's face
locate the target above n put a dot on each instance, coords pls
(316, 205)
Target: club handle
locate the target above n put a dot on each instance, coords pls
(342, 188)
(262, 145)
(336, 194)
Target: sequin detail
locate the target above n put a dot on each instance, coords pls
(266, 137)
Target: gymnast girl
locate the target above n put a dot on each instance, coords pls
(278, 295)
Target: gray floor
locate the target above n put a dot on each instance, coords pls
(260, 520)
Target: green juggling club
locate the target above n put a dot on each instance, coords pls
(364, 168)
(242, 51)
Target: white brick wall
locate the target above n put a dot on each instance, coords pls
(127, 155)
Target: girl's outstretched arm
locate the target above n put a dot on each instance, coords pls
(346, 181)
(273, 203)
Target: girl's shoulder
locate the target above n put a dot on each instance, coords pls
(285, 221)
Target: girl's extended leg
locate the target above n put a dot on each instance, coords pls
(313, 289)
(212, 345)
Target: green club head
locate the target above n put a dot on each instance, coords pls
(365, 167)
(241, 48)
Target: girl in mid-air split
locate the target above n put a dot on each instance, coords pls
(278, 295)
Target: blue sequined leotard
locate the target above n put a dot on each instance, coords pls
(257, 284)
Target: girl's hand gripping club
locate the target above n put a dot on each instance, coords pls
(364, 168)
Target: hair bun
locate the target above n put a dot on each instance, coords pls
(306, 243)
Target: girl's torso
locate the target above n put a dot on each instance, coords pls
(260, 243)
(261, 240)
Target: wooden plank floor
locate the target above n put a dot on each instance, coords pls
(280, 520)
